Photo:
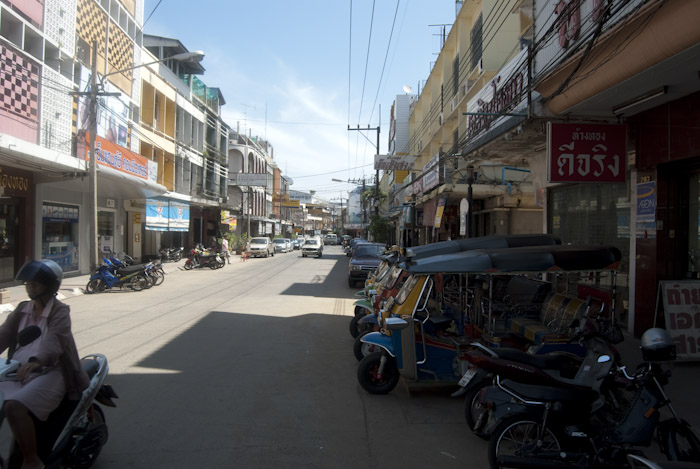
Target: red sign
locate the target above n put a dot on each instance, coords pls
(586, 152)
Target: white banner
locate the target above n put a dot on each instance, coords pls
(249, 179)
(394, 162)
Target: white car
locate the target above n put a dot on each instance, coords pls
(260, 247)
(312, 247)
(282, 245)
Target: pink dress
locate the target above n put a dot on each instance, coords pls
(40, 393)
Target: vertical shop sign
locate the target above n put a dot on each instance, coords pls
(646, 210)
(439, 212)
(682, 307)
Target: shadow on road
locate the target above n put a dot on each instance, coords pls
(328, 287)
(262, 391)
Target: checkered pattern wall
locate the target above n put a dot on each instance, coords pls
(92, 23)
(19, 84)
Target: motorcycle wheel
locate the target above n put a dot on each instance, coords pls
(158, 276)
(189, 265)
(367, 374)
(94, 286)
(362, 349)
(517, 436)
(678, 441)
(139, 282)
(473, 409)
(355, 326)
(178, 256)
(85, 451)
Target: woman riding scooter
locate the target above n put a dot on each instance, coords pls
(51, 366)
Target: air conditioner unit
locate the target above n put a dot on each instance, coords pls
(480, 67)
(440, 119)
(454, 103)
(468, 85)
(420, 146)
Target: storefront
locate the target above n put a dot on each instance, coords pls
(60, 234)
(16, 215)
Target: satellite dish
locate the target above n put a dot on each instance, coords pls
(407, 88)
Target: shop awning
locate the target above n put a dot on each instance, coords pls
(164, 214)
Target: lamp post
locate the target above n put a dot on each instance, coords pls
(470, 199)
(96, 91)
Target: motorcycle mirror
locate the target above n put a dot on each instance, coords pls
(28, 335)
(603, 358)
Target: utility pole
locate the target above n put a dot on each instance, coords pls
(376, 177)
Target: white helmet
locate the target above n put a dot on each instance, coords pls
(657, 345)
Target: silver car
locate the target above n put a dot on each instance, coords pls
(260, 247)
(282, 245)
(312, 247)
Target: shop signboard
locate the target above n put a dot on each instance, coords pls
(394, 162)
(586, 153)
(431, 173)
(249, 179)
(681, 299)
(439, 212)
(646, 210)
(119, 158)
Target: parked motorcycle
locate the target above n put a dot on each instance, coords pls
(107, 277)
(171, 254)
(199, 259)
(597, 424)
(153, 270)
(75, 433)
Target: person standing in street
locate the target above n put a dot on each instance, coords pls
(224, 249)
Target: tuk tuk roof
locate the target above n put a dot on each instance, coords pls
(483, 242)
(521, 259)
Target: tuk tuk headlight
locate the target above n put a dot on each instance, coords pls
(355, 267)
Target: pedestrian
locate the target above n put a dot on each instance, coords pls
(224, 249)
(50, 367)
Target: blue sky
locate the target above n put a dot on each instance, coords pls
(285, 72)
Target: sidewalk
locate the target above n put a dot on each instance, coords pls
(70, 287)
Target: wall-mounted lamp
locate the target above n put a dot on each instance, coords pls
(640, 99)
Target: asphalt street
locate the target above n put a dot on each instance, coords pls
(251, 366)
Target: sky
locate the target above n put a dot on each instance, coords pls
(299, 73)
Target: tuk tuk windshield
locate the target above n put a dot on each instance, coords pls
(394, 274)
(407, 289)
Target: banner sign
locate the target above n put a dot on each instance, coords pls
(586, 152)
(439, 211)
(120, 158)
(249, 179)
(431, 173)
(682, 307)
(167, 215)
(394, 162)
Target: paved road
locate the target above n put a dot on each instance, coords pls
(252, 366)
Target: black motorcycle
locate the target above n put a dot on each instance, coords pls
(591, 426)
(171, 254)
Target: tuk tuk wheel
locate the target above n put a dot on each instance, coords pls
(367, 374)
(362, 349)
(355, 327)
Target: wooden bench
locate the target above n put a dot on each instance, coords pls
(557, 313)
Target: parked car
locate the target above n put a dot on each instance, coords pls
(260, 247)
(365, 259)
(312, 247)
(282, 245)
(296, 243)
(331, 239)
(354, 242)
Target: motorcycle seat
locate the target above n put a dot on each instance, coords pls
(90, 366)
(535, 392)
(130, 269)
(552, 361)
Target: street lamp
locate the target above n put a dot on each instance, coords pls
(93, 94)
(470, 199)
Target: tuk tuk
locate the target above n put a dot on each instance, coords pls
(523, 297)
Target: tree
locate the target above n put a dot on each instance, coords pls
(380, 229)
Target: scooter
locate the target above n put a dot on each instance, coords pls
(171, 254)
(107, 278)
(199, 259)
(75, 433)
(153, 270)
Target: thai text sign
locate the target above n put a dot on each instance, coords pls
(394, 162)
(586, 152)
(682, 307)
(249, 179)
(117, 157)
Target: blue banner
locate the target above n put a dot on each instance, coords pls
(167, 215)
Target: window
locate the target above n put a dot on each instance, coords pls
(476, 43)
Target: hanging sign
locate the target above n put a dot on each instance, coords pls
(682, 307)
(586, 152)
